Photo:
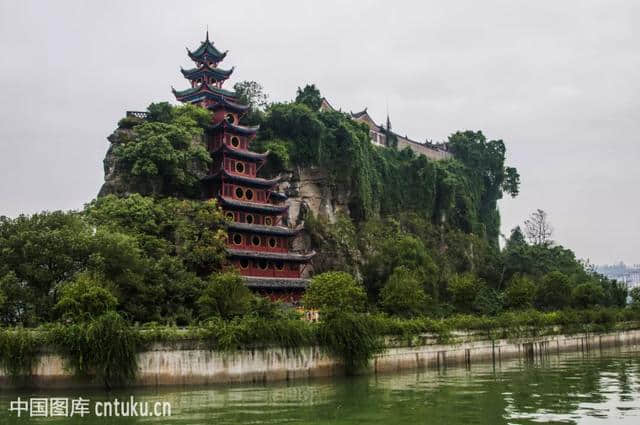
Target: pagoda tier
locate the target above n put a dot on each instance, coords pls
(207, 53)
(202, 94)
(206, 74)
(259, 239)
(245, 180)
(238, 153)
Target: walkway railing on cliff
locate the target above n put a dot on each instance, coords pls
(138, 114)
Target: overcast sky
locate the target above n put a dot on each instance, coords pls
(558, 81)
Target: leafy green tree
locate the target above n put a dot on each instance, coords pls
(166, 155)
(587, 294)
(84, 297)
(334, 291)
(520, 293)
(403, 294)
(635, 297)
(554, 291)
(251, 93)
(464, 289)
(16, 301)
(309, 96)
(401, 250)
(225, 295)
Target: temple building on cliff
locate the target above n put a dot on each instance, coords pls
(259, 239)
(378, 135)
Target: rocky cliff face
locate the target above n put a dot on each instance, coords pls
(310, 191)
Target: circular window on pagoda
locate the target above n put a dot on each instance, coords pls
(229, 215)
(273, 242)
(237, 239)
(244, 263)
(268, 221)
(263, 264)
(239, 192)
(279, 265)
(249, 194)
(230, 118)
(248, 218)
(255, 240)
(240, 167)
(235, 142)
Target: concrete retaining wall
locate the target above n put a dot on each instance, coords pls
(192, 365)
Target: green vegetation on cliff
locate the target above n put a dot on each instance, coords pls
(417, 252)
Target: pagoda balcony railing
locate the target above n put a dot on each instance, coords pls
(138, 114)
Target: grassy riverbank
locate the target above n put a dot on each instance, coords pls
(105, 348)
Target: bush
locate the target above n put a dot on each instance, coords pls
(464, 289)
(84, 297)
(554, 291)
(520, 293)
(129, 122)
(225, 296)
(105, 347)
(350, 336)
(18, 352)
(586, 295)
(334, 291)
(635, 297)
(403, 294)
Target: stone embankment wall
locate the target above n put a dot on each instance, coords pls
(188, 363)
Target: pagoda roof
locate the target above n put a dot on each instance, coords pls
(205, 71)
(242, 153)
(275, 282)
(268, 230)
(279, 196)
(251, 181)
(287, 256)
(228, 105)
(252, 206)
(215, 93)
(207, 51)
(232, 128)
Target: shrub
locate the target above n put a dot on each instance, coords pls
(520, 293)
(403, 294)
(18, 351)
(587, 295)
(84, 297)
(129, 122)
(635, 297)
(554, 291)
(225, 296)
(464, 289)
(334, 291)
(105, 347)
(350, 336)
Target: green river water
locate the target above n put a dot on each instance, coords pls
(594, 388)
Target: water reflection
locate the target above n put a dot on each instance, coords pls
(566, 389)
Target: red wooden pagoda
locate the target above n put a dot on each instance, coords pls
(259, 238)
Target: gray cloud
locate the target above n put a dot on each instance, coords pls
(557, 81)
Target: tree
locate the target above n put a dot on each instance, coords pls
(538, 229)
(84, 297)
(587, 294)
(403, 294)
(554, 291)
(309, 96)
(166, 155)
(251, 93)
(464, 288)
(635, 297)
(224, 296)
(520, 293)
(334, 291)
